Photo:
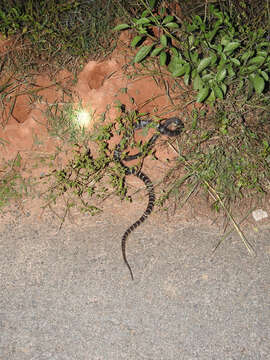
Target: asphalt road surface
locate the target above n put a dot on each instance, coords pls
(68, 295)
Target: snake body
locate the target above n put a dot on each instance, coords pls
(161, 129)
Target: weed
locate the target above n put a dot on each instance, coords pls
(11, 182)
(214, 56)
(57, 34)
(64, 122)
(92, 173)
(228, 64)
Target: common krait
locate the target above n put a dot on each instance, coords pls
(161, 129)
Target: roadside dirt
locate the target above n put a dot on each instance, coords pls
(100, 87)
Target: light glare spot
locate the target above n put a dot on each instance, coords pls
(83, 118)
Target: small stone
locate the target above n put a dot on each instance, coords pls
(259, 214)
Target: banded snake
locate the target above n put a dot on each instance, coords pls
(161, 129)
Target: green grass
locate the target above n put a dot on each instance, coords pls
(59, 34)
(234, 158)
(12, 185)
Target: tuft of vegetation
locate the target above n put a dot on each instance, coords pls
(227, 62)
(215, 54)
(63, 34)
(92, 174)
(12, 185)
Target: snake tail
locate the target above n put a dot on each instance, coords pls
(151, 202)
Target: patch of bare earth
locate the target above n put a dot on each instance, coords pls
(100, 86)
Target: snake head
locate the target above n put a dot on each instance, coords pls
(165, 130)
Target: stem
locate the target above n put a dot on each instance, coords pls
(158, 24)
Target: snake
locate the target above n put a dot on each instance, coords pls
(162, 129)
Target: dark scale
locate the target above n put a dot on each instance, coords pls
(164, 130)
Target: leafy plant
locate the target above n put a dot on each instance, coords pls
(93, 173)
(215, 55)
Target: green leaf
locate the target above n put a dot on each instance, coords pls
(252, 68)
(258, 60)
(136, 40)
(142, 30)
(142, 53)
(218, 92)
(172, 25)
(188, 68)
(175, 62)
(247, 55)
(235, 61)
(240, 85)
(198, 19)
(258, 83)
(181, 70)
(263, 44)
(194, 57)
(213, 59)
(152, 3)
(262, 53)
(231, 72)
(186, 79)
(191, 27)
(207, 77)
(121, 27)
(211, 34)
(224, 41)
(211, 98)
(191, 39)
(250, 88)
(146, 12)
(224, 88)
(203, 27)
(155, 18)
(194, 74)
(221, 74)
(223, 58)
(175, 52)
(163, 40)
(142, 21)
(197, 83)
(168, 19)
(156, 51)
(162, 58)
(203, 64)
(218, 48)
(203, 93)
(229, 48)
(264, 75)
